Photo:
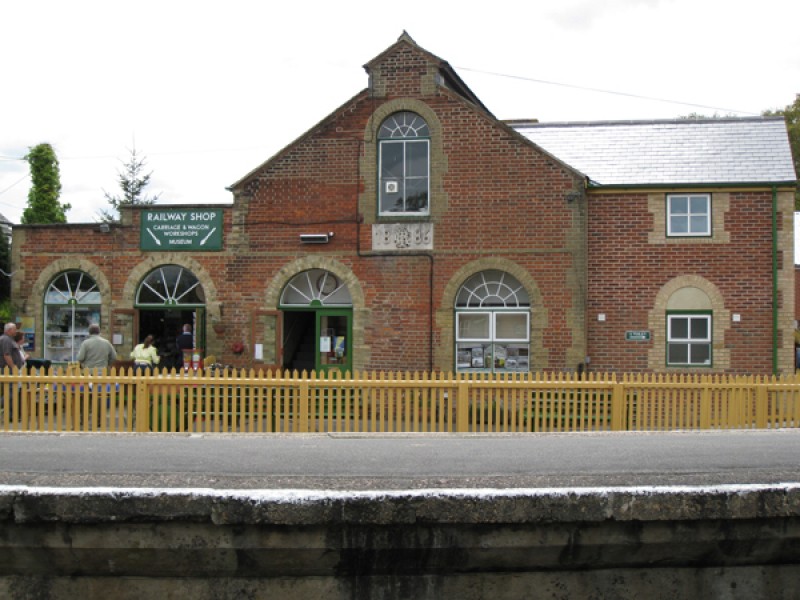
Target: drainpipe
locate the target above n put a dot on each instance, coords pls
(774, 280)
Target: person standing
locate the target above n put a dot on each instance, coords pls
(12, 357)
(96, 352)
(19, 337)
(12, 363)
(144, 355)
(184, 343)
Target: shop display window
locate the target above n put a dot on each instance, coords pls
(72, 302)
(492, 333)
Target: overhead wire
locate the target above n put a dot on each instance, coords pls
(603, 91)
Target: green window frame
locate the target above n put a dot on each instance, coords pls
(689, 339)
(688, 215)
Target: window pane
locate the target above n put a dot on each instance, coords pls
(679, 204)
(492, 288)
(404, 125)
(417, 159)
(473, 326)
(315, 285)
(416, 195)
(391, 160)
(701, 354)
(699, 329)
(170, 284)
(510, 357)
(391, 200)
(677, 354)
(679, 224)
(73, 286)
(511, 326)
(699, 205)
(678, 328)
(473, 356)
(699, 224)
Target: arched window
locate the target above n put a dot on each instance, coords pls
(72, 301)
(404, 165)
(492, 324)
(689, 332)
(170, 285)
(315, 287)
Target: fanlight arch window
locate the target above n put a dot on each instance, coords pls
(404, 165)
(689, 328)
(315, 287)
(492, 323)
(72, 301)
(170, 285)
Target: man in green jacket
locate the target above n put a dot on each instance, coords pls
(96, 352)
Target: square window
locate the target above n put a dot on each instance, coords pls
(689, 215)
(689, 340)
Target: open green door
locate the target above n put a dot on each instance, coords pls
(334, 340)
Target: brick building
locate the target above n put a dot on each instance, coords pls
(411, 229)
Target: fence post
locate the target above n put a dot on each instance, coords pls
(142, 405)
(462, 409)
(761, 405)
(705, 407)
(302, 425)
(617, 406)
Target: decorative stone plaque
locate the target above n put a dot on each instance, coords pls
(402, 236)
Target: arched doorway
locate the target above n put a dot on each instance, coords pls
(169, 297)
(317, 322)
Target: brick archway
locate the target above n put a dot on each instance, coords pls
(445, 314)
(657, 356)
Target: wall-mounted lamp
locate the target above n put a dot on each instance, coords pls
(105, 227)
(316, 238)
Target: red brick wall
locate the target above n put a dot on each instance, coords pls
(500, 200)
(626, 272)
(503, 198)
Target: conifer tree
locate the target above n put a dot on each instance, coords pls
(132, 181)
(43, 204)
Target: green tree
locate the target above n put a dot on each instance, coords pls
(792, 115)
(5, 266)
(132, 181)
(43, 204)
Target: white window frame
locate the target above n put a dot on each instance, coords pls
(404, 128)
(706, 232)
(492, 340)
(72, 302)
(689, 341)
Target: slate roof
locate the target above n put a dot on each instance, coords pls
(670, 152)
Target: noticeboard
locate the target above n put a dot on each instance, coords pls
(194, 230)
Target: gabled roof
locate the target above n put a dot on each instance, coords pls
(449, 77)
(672, 152)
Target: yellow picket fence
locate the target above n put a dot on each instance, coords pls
(256, 402)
